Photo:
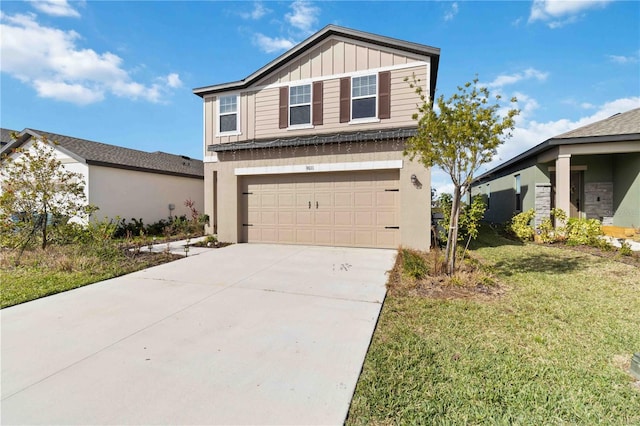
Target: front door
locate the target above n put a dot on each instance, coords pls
(575, 194)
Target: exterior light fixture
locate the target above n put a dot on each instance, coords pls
(414, 179)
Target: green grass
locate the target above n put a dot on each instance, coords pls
(553, 350)
(62, 268)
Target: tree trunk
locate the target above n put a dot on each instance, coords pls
(44, 229)
(452, 236)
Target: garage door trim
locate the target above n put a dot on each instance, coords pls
(320, 167)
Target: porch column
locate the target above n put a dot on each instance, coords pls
(563, 184)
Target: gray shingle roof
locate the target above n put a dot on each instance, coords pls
(619, 124)
(99, 153)
(5, 136)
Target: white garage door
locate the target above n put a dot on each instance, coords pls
(355, 209)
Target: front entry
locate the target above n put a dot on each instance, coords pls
(575, 194)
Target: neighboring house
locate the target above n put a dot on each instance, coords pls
(5, 137)
(308, 149)
(590, 172)
(125, 182)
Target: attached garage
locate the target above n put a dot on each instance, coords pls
(355, 208)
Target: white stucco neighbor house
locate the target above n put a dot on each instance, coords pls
(120, 181)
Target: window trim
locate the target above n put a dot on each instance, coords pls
(517, 183)
(237, 113)
(290, 105)
(375, 96)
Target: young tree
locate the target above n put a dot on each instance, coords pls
(459, 137)
(36, 193)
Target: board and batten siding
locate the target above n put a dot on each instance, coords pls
(335, 57)
(259, 110)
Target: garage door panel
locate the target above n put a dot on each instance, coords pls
(343, 218)
(286, 200)
(353, 208)
(286, 218)
(323, 236)
(343, 200)
(363, 199)
(323, 218)
(364, 238)
(304, 236)
(304, 217)
(343, 238)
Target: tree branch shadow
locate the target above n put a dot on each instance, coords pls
(545, 263)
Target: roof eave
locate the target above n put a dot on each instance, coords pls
(329, 30)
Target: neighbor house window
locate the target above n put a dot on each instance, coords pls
(228, 114)
(488, 196)
(300, 105)
(364, 97)
(518, 194)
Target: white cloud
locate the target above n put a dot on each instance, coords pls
(74, 93)
(275, 44)
(558, 13)
(258, 11)
(304, 16)
(55, 8)
(50, 60)
(528, 74)
(173, 80)
(452, 12)
(620, 59)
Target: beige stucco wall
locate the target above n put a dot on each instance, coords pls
(415, 201)
(135, 194)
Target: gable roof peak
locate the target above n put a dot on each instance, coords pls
(329, 31)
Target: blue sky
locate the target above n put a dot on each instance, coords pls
(122, 72)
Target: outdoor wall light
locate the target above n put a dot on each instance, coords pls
(414, 179)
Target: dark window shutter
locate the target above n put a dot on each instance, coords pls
(384, 95)
(284, 107)
(345, 100)
(317, 103)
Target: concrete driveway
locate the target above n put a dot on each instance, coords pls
(247, 334)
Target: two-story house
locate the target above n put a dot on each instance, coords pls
(309, 148)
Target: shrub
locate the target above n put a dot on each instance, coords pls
(414, 265)
(584, 232)
(520, 225)
(625, 249)
(469, 220)
(548, 232)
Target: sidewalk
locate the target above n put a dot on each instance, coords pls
(178, 247)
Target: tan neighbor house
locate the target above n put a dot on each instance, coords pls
(308, 149)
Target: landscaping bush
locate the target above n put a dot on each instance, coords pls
(520, 225)
(413, 265)
(584, 232)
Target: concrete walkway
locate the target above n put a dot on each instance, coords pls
(247, 334)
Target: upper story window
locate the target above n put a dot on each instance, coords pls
(300, 105)
(228, 114)
(364, 97)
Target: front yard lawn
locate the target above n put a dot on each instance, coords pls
(553, 348)
(61, 268)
